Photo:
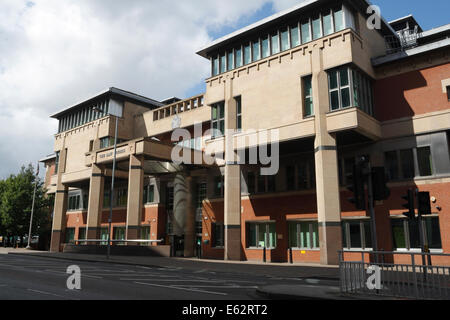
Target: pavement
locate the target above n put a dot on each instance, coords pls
(274, 281)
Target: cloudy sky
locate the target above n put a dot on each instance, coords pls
(54, 53)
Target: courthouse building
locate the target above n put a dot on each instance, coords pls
(332, 88)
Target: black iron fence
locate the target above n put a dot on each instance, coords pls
(421, 277)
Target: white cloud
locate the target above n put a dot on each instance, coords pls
(56, 52)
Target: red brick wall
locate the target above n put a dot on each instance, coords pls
(409, 94)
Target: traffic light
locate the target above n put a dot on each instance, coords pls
(424, 203)
(411, 214)
(379, 180)
(355, 185)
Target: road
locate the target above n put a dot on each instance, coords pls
(35, 278)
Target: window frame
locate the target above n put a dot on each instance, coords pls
(346, 242)
(257, 225)
(298, 226)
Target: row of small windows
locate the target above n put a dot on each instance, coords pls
(304, 31)
(356, 234)
(118, 234)
(83, 116)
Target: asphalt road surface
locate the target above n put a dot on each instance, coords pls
(34, 278)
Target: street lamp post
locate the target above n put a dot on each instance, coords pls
(111, 196)
(32, 208)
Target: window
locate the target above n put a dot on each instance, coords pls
(149, 193)
(218, 235)
(304, 235)
(425, 162)
(295, 37)
(218, 186)
(122, 197)
(119, 234)
(69, 235)
(230, 62)
(290, 178)
(238, 53)
(265, 47)
(104, 236)
(145, 234)
(391, 163)
(74, 202)
(339, 20)
(275, 43)
(257, 183)
(238, 113)
(306, 32)
(247, 54)
(406, 235)
(357, 234)
(215, 66)
(218, 119)
(256, 51)
(317, 28)
(302, 175)
(57, 162)
(223, 64)
(407, 163)
(308, 99)
(261, 235)
(400, 164)
(448, 93)
(285, 45)
(340, 81)
(328, 24)
(82, 234)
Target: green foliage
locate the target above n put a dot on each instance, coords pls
(16, 196)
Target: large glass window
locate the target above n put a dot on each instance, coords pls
(339, 20)
(285, 45)
(357, 234)
(265, 47)
(223, 64)
(328, 27)
(238, 57)
(317, 28)
(295, 38)
(119, 234)
(218, 235)
(308, 98)
(256, 51)
(261, 235)
(304, 235)
(230, 62)
(341, 80)
(306, 32)
(406, 234)
(238, 113)
(149, 193)
(69, 235)
(424, 161)
(275, 41)
(218, 119)
(247, 54)
(74, 202)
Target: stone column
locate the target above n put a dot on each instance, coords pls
(60, 208)
(180, 195)
(135, 197)
(232, 197)
(95, 208)
(189, 229)
(327, 177)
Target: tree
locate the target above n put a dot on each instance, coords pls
(16, 196)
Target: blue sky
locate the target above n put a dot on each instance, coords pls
(429, 14)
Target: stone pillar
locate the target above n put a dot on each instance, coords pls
(180, 194)
(135, 197)
(232, 197)
(189, 229)
(95, 208)
(60, 208)
(327, 177)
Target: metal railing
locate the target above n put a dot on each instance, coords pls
(417, 279)
(105, 242)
